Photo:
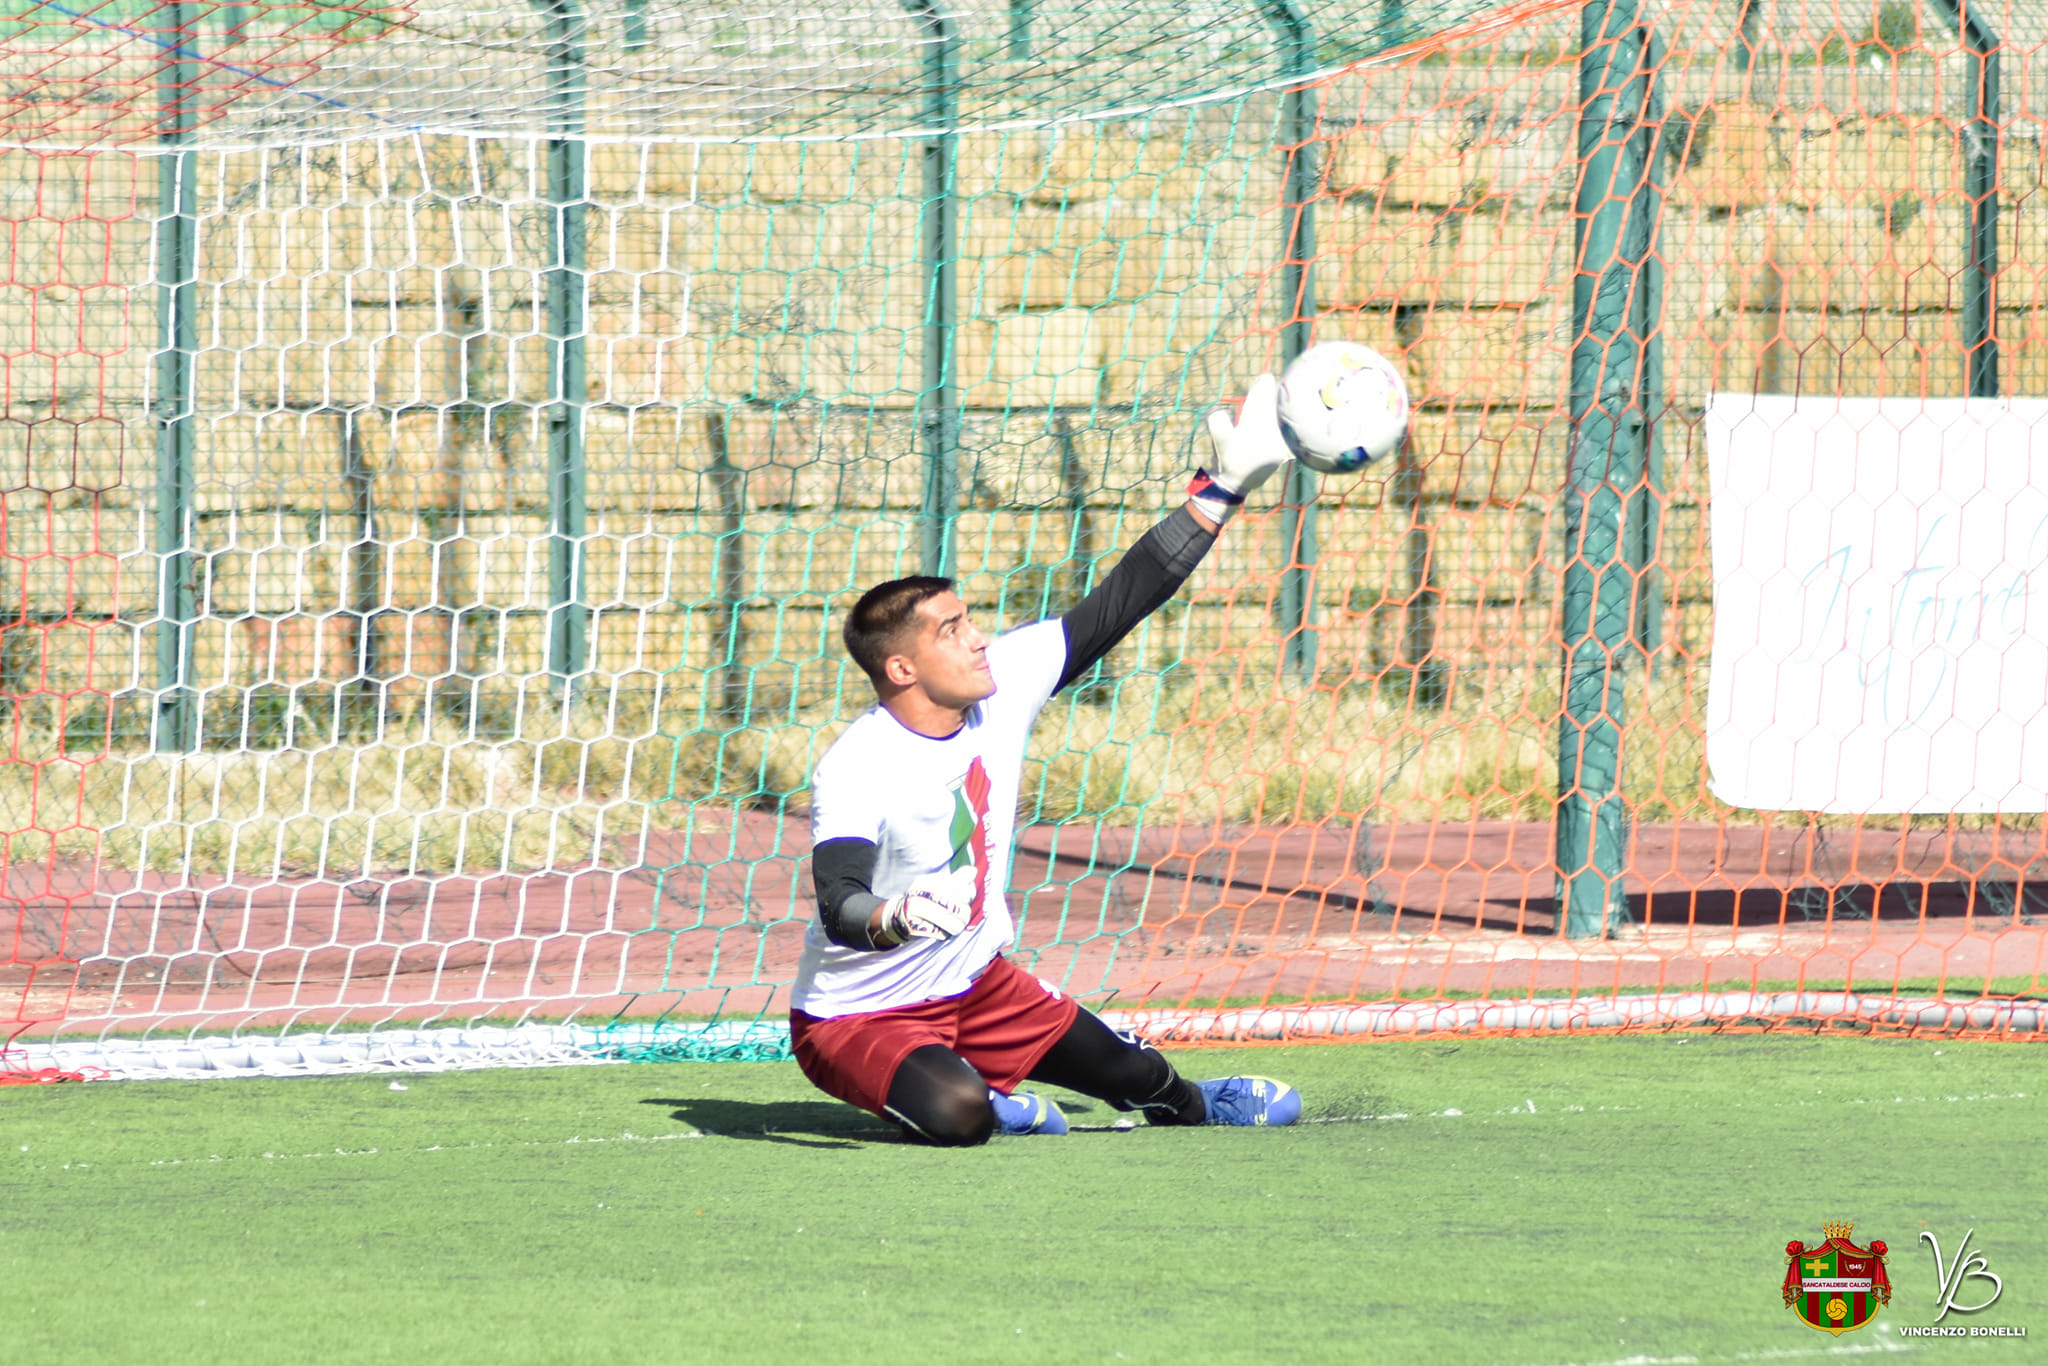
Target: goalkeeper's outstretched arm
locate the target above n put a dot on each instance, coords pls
(1145, 579)
(1248, 451)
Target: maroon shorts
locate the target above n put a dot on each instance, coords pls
(1002, 1025)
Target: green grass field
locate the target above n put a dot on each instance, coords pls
(1527, 1202)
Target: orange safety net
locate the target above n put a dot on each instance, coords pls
(391, 815)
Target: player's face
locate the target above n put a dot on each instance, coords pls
(949, 656)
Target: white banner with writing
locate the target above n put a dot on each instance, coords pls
(1880, 603)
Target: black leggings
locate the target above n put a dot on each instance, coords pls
(939, 1098)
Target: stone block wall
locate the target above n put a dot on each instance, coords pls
(372, 379)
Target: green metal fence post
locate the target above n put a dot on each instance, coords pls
(1643, 521)
(1427, 684)
(1980, 189)
(1017, 42)
(1300, 109)
(1616, 224)
(360, 706)
(938, 400)
(568, 379)
(729, 571)
(1393, 23)
(1748, 18)
(176, 720)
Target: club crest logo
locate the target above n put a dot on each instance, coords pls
(1835, 1285)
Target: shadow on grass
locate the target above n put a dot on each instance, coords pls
(802, 1123)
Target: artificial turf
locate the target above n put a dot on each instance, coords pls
(1503, 1201)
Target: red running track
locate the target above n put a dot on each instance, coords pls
(712, 921)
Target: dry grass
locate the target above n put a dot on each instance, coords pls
(430, 797)
(1166, 752)
(434, 798)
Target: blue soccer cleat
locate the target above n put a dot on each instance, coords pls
(1250, 1100)
(1025, 1113)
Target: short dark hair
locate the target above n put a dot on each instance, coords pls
(875, 625)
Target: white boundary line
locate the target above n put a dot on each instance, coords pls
(1878, 1347)
(538, 1045)
(310, 1053)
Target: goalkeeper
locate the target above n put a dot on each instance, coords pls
(904, 1004)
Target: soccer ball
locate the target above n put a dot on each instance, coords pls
(1342, 406)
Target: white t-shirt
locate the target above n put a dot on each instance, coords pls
(929, 805)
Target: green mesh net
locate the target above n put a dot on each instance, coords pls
(442, 443)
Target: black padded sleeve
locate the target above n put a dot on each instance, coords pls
(843, 871)
(1144, 579)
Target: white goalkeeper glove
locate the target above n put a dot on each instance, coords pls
(1247, 452)
(937, 906)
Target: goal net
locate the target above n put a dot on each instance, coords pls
(441, 443)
